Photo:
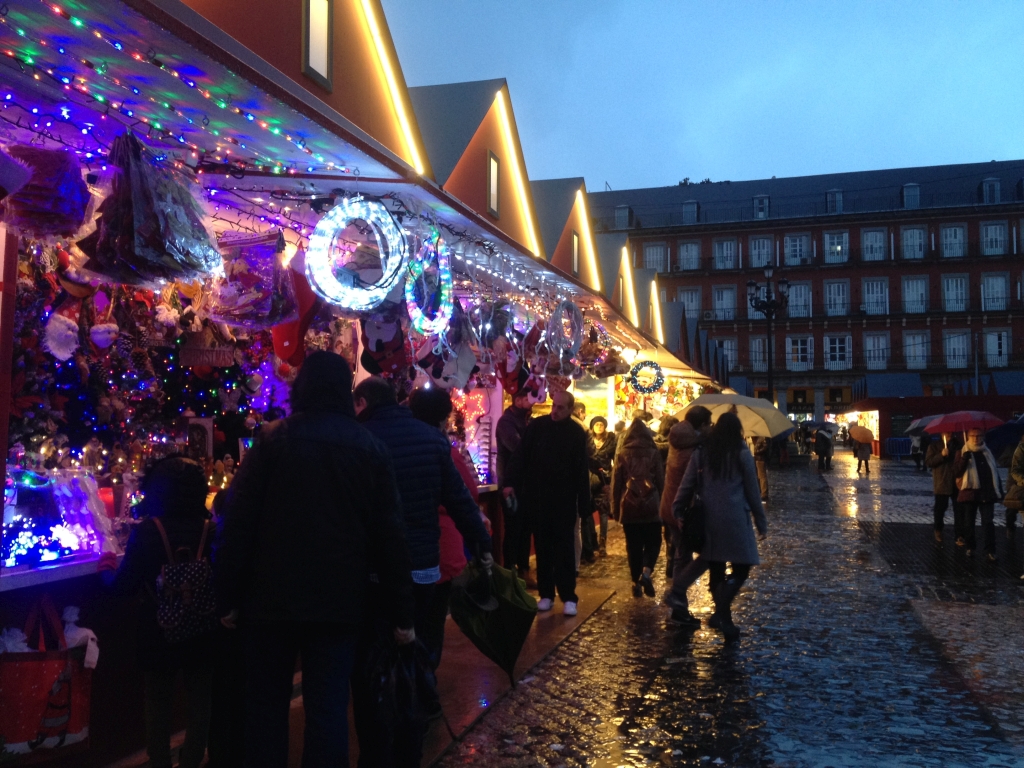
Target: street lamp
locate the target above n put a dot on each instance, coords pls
(769, 305)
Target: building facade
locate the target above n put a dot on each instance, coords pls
(915, 270)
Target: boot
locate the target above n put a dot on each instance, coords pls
(601, 549)
(722, 618)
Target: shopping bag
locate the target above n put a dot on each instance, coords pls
(45, 693)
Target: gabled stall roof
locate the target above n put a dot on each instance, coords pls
(562, 209)
(553, 200)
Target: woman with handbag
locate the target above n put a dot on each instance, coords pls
(724, 469)
(637, 482)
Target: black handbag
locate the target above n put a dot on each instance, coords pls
(693, 533)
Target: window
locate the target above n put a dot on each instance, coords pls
(493, 179)
(997, 349)
(915, 349)
(725, 303)
(664, 296)
(800, 300)
(689, 256)
(318, 42)
(915, 294)
(834, 201)
(799, 353)
(761, 207)
(876, 296)
(622, 291)
(876, 351)
(725, 254)
(797, 249)
(835, 395)
(954, 293)
(911, 196)
(838, 353)
(957, 348)
(760, 251)
(872, 245)
(654, 256)
(837, 298)
(759, 353)
(690, 299)
(575, 253)
(728, 346)
(954, 242)
(913, 243)
(837, 247)
(623, 217)
(993, 239)
(990, 191)
(691, 212)
(995, 293)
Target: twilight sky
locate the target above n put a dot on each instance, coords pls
(641, 93)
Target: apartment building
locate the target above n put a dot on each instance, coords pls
(913, 270)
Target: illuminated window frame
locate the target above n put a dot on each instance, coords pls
(324, 81)
(493, 184)
(575, 253)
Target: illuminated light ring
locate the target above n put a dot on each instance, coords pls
(433, 248)
(557, 339)
(391, 244)
(659, 377)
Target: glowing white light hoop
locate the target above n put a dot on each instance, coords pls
(391, 244)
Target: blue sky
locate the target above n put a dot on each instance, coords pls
(640, 94)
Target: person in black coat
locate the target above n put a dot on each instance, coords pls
(312, 514)
(551, 467)
(175, 492)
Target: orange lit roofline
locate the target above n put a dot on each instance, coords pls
(588, 241)
(628, 286)
(517, 174)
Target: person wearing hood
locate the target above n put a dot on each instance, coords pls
(684, 438)
(637, 483)
(980, 487)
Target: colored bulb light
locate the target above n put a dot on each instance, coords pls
(434, 249)
(337, 285)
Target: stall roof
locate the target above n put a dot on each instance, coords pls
(553, 199)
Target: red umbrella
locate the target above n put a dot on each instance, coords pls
(961, 421)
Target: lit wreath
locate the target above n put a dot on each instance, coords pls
(659, 377)
(433, 248)
(391, 244)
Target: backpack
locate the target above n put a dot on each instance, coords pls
(186, 602)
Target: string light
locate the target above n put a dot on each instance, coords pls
(434, 249)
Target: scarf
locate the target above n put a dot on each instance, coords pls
(971, 479)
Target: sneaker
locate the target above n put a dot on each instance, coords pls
(569, 609)
(544, 604)
(647, 584)
(637, 590)
(687, 619)
(938, 536)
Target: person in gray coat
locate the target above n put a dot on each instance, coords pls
(731, 494)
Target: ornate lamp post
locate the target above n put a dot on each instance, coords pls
(770, 304)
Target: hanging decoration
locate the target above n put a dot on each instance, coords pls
(334, 280)
(654, 386)
(560, 342)
(433, 249)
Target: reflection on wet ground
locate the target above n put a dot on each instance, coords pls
(865, 643)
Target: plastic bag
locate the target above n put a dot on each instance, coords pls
(55, 199)
(257, 290)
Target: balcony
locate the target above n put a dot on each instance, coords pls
(877, 359)
(915, 306)
(957, 360)
(725, 262)
(838, 362)
(724, 313)
(800, 309)
(837, 308)
(758, 362)
(688, 263)
(893, 359)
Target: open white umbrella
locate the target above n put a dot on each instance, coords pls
(759, 417)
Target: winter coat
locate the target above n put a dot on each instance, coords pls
(427, 479)
(312, 512)
(507, 434)
(144, 556)
(683, 440)
(990, 489)
(943, 479)
(823, 444)
(1017, 466)
(601, 457)
(863, 451)
(638, 478)
(729, 502)
(550, 470)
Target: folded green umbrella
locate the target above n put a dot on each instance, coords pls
(495, 612)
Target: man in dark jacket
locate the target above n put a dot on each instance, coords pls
(939, 459)
(551, 469)
(508, 434)
(311, 514)
(427, 479)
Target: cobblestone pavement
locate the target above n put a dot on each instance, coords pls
(865, 643)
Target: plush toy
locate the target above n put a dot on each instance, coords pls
(61, 337)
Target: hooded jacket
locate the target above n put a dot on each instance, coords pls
(683, 440)
(638, 461)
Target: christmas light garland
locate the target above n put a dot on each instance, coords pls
(391, 244)
(434, 248)
(659, 377)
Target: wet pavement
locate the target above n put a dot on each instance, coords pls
(865, 643)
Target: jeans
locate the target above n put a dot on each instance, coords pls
(431, 623)
(941, 502)
(159, 701)
(988, 527)
(589, 534)
(271, 650)
(762, 477)
(554, 539)
(643, 544)
(516, 546)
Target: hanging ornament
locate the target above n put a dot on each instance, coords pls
(659, 377)
(338, 283)
(62, 337)
(434, 248)
(560, 342)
